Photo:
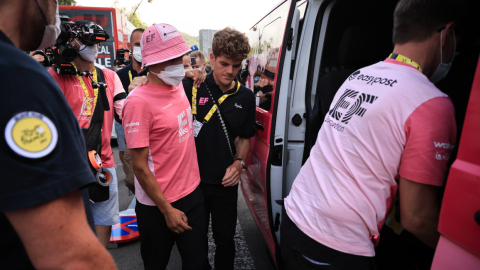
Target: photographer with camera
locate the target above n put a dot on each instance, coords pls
(197, 60)
(88, 100)
(118, 65)
(44, 213)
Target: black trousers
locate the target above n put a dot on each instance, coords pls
(221, 203)
(156, 239)
(299, 251)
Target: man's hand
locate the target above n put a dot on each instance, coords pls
(177, 221)
(197, 76)
(37, 57)
(136, 82)
(232, 175)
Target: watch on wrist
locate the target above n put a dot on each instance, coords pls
(242, 162)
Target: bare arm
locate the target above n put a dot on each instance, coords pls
(197, 76)
(419, 210)
(56, 235)
(176, 220)
(232, 175)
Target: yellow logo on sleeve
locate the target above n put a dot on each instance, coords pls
(31, 134)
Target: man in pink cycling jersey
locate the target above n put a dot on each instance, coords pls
(388, 129)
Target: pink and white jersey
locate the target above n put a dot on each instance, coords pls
(75, 95)
(160, 118)
(386, 120)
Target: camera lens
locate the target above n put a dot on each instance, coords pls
(63, 37)
(68, 53)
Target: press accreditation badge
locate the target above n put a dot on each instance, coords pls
(196, 127)
(31, 134)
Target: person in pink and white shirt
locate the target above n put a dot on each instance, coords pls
(158, 128)
(80, 96)
(389, 131)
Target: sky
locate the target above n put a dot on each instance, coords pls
(190, 16)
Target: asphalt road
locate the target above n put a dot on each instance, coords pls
(251, 252)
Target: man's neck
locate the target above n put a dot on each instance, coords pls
(12, 28)
(421, 53)
(223, 87)
(136, 66)
(83, 65)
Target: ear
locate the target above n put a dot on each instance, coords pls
(212, 59)
(447, 32)
(130, 47)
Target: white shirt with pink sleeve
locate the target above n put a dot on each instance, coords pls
(160, 118)
(386, 120)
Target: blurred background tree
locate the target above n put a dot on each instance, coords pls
(135, 19)
(67, 2)
(138, 23)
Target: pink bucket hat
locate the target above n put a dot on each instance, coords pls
(160, 43)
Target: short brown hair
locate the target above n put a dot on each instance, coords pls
(230, 43)
(417, 20)
(134, 31)
(198, 54)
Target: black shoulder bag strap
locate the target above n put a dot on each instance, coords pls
(93, 136)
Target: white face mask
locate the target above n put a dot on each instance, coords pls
(443, 68)
(172, 75)
(51, 32)
(88, 53)
(137, 54)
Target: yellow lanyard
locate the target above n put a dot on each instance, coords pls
(130, 75)
(214, 108)
(405, 60)
(85, 89)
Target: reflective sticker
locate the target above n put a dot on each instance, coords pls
(31, 134)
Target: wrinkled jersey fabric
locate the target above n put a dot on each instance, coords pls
(387, 120)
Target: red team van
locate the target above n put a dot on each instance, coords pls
(302, 52)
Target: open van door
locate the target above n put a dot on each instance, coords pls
(273, 42)
(459, 225)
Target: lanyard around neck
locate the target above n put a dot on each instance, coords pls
(405, 60)
(85, 89)
(130, 75)
(214, 107)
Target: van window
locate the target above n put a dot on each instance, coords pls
(265, 40)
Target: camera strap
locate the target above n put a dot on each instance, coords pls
(93, 141)
(93, 133)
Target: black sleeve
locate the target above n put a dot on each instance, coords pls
(187, 87)
(124, 78)
(248, 127)
(32, 114)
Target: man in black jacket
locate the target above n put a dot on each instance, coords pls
(215, 129)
